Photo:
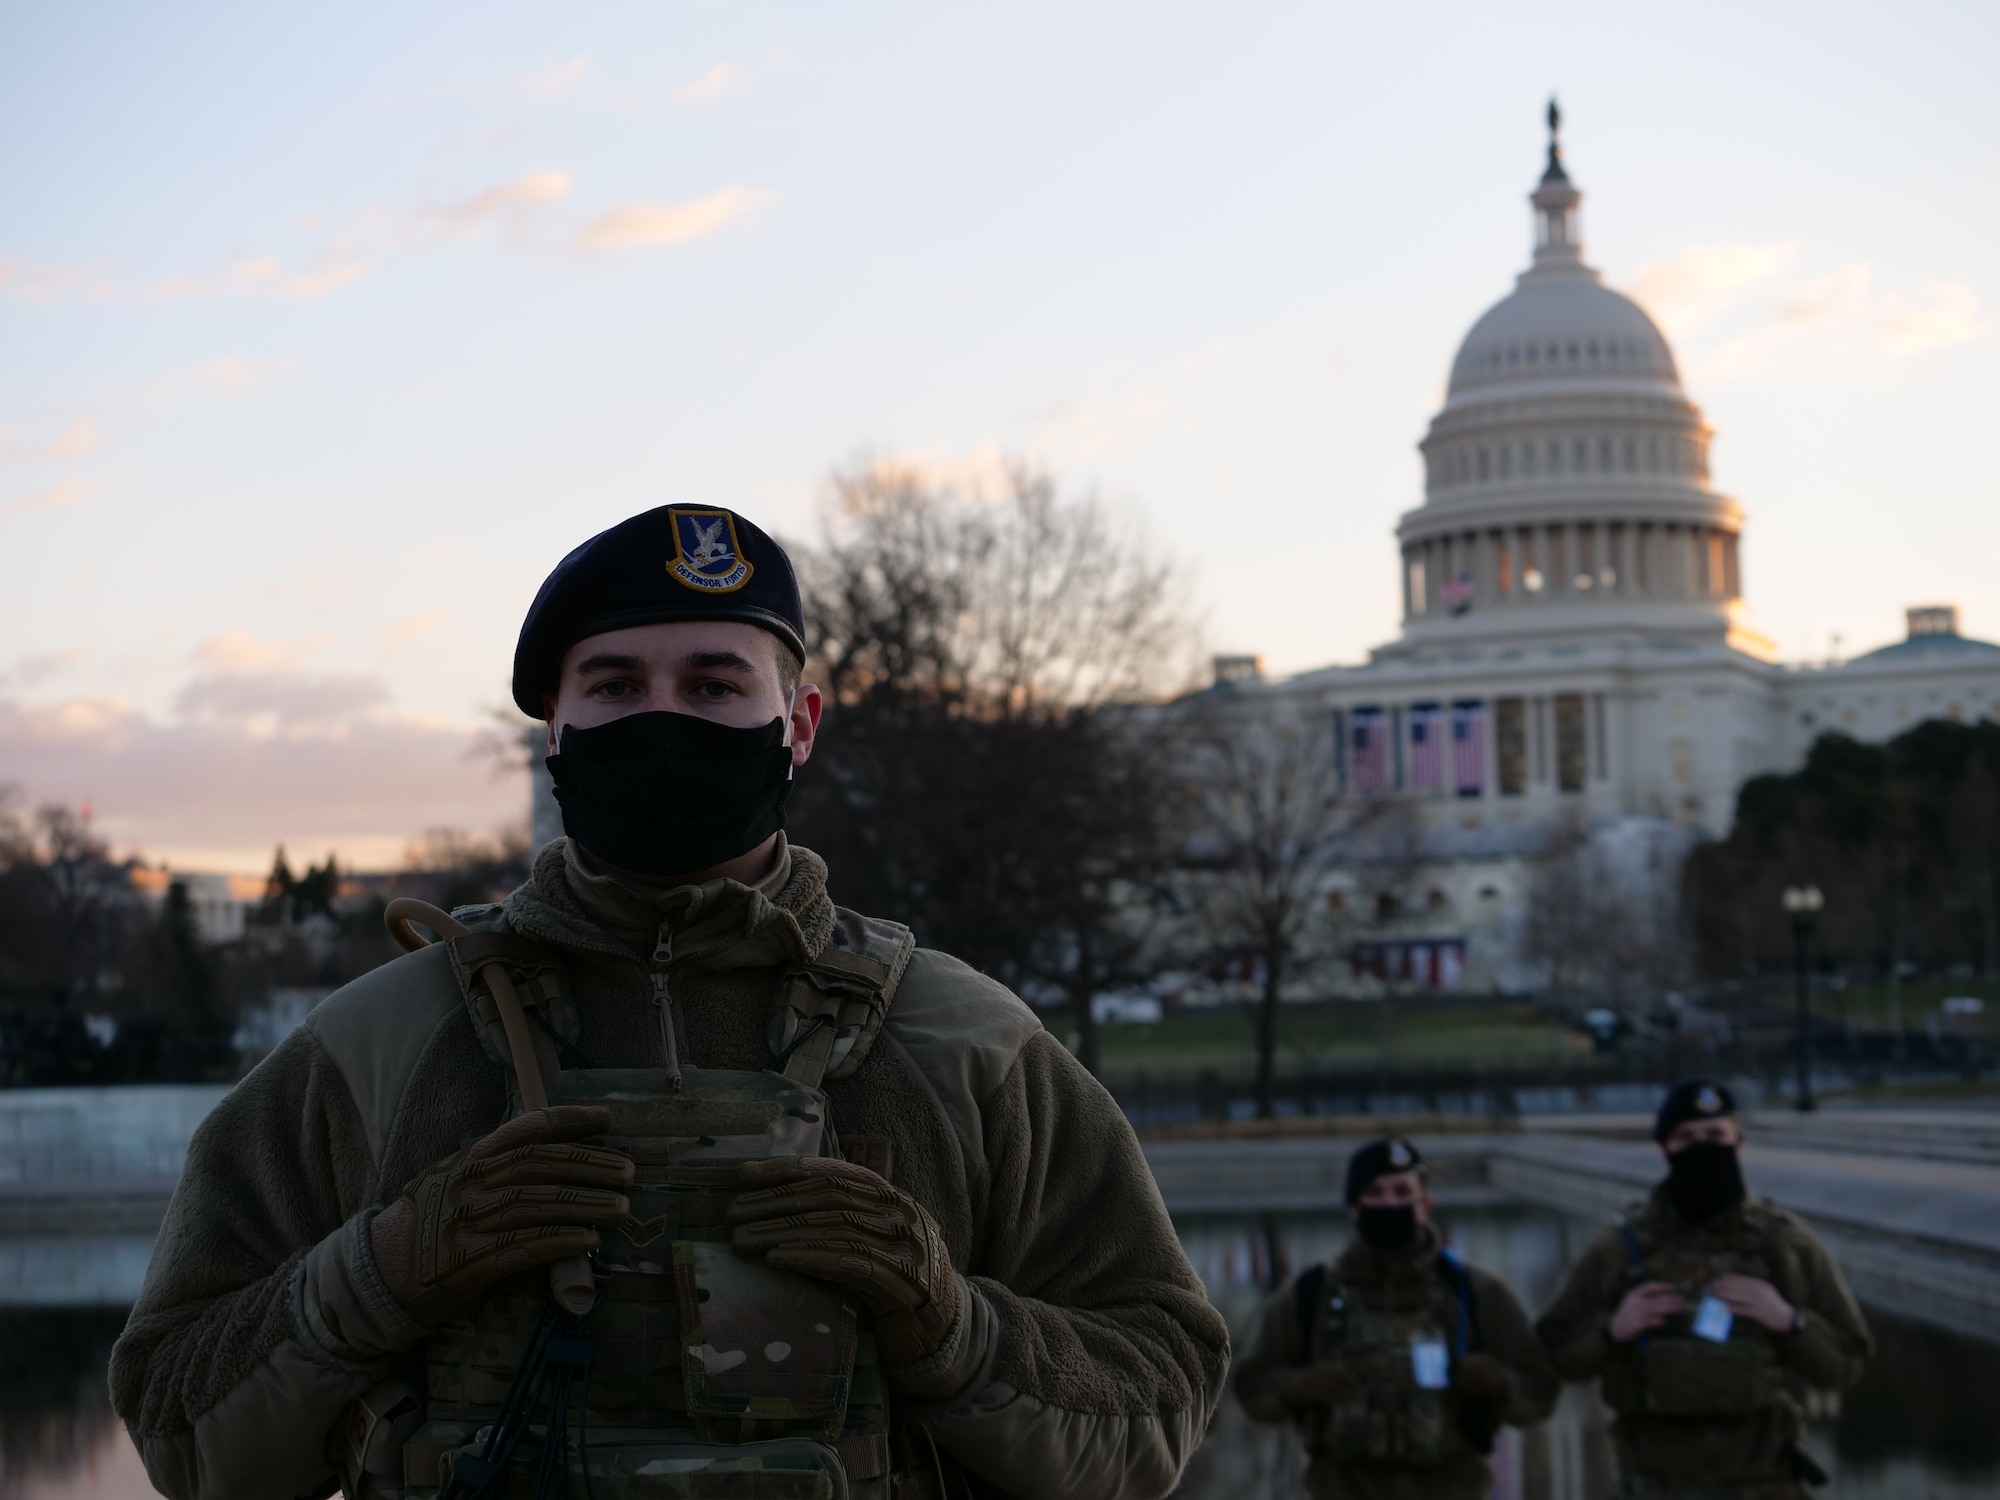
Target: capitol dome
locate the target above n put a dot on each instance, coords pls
(1566, 476)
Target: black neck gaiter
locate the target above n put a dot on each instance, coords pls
(671, 794)
(1703, 1180)
(1389, 1229)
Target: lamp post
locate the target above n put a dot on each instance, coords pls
(1802, 904)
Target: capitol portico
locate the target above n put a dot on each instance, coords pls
(1575, 644)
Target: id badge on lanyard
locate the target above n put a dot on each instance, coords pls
(1430, 1363)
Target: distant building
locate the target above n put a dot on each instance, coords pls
(1575, 647)
(218, 905)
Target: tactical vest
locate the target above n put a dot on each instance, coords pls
(1370, 1326)
(699, 1374)
(1672, 1373)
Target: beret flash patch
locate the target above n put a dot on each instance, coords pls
(1708, 1101)
(1399, 1155)
(706, 554)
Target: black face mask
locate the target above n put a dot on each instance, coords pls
(671, 794)
(1387, 1228)
(1703, 1180)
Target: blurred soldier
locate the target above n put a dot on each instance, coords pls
(1399, 1361)
(856, 1224)
(1706, 1313)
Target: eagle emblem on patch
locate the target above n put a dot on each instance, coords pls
(1708, 1101)
(1399, 1154)
(706, 555)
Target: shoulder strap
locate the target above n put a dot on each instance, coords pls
(541, 983)
(1306, 1292)
(1451, 1270)
(831, 1010)
(1633, 1253)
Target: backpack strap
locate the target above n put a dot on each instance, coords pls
(1458, 1281)
(830, 1012)
(1306, 1292)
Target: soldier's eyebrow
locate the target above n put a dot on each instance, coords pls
(721, 659)
(609, 661)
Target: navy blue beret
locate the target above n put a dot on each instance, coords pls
(1698, 1098)
(679, 562)
(1379, 1159)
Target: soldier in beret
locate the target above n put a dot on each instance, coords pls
(1400, 1361)
(1705, 1313)
(666, 1176)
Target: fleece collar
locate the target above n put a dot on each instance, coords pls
(783, 919)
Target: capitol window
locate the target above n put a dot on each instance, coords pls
(1631, 456)
(1573, 352)
(1513, 356)
(1528, 460)
(1582, 456)
(1593, 348)
(1533, 354)
(1604, 455)
(1507, 462)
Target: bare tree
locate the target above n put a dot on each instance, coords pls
(977, 774)
(1014, 605)
(1268, 820)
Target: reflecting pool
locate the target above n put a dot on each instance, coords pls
(1925, 1422)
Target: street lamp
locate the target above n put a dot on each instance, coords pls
(1802, 903)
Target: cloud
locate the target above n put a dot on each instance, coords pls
(1942, 314)
(524, 195)
(712, 85)
(32, 671)
(411, 628)
(238, 651)
(228, 375)
(638, 224)
(280, 701)
(75, 440)
(1827, 301)
(1699, 282)
(211, 792)
(550, 83)
(55, 497)
(38, 283)
(1839, 313)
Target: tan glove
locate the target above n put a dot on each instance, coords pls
(1483, 1379)
(523, 1196)
(1327, 1383)
(839, 1222)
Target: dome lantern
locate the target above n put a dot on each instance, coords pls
(1558, 246)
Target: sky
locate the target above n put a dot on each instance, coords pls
(326, 331)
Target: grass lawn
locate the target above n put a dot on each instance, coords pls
(1490, 1032)
(1873, 1005)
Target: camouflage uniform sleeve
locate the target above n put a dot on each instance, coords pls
(1572, 1328)
(1275, 1352)
(1507, 1335)
(1102, 1357)
(1834, 1347)
(262, 1315)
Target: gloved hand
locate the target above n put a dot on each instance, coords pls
(838, 1222)
(523, 1196)
(1483, 1379)
(1327, 1383)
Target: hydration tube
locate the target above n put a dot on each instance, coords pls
(571, 1282)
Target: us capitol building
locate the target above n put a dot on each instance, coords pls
(1576, 647)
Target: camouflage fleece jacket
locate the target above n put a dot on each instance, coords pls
(1085, 1359)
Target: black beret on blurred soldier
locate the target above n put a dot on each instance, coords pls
(1399, 1361)
(1698, 1098)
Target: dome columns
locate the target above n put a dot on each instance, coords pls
(1527, 564)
